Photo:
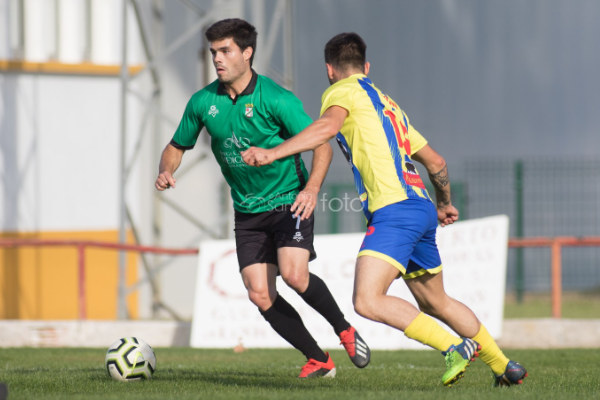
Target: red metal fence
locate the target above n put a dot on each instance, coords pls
(81, 245)
(555, 244)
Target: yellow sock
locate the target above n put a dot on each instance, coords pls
(490, 353)
(425, 330)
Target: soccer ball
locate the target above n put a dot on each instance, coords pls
(130, 359)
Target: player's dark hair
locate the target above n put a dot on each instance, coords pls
(243, 33)
(346, 51)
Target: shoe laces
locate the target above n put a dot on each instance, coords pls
(347, 338)
(310, 365)
(467, 349)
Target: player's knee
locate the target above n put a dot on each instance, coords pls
(260, 298)
(296, 280)
(363, 306)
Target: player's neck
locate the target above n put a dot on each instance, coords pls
(236, 87)
(350, 72)
(341, 75)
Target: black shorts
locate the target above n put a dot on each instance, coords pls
(258, 236)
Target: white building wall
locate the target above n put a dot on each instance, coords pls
(4, 29)
(60, 152)
(58, 30)
(72, 30)
(60, 134)
(106, 43)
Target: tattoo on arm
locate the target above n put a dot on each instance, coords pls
(441, 184)
(440, 179)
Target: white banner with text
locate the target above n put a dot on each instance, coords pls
(473, 252)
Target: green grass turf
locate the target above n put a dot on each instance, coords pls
(578, 305)
(271, 374)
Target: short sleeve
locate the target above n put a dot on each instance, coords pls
(290, 114)
(417, 141)
(336, 97)
(186, 135)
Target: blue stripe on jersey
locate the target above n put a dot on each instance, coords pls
(406, 125)
(390, 134)
(358, 182)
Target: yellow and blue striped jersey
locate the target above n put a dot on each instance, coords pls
(377, 140)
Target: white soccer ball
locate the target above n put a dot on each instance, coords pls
(130, 359)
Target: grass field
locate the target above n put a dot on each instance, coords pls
(271, 374)
(579, 305)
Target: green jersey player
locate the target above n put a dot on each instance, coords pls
(273, 206)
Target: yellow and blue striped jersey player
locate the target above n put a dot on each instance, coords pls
(380, 145)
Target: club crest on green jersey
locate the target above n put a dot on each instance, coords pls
(249, 110)
(213, 111)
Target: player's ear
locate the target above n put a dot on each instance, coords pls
(367, 67)
(247, 53)
(329, 71)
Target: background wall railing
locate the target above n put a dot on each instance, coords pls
(82, 245)
(555, 272)
(556, 245)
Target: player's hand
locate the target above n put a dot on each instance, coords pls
(447, 214)
(164, 181)
(256, 156)
(305, 203)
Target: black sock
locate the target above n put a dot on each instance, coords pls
(286, 321)
(318, 296)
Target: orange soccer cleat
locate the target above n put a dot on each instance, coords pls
(316, 369)
(355, 346)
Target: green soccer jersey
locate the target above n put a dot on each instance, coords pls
(263, 115)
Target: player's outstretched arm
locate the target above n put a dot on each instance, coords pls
(438, 175)
(313, 136)
(306, 200)
(169, 162)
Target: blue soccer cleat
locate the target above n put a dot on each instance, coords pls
(513, 375)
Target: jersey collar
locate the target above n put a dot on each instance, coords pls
(353, 76)
(249, 89)
(342, 82)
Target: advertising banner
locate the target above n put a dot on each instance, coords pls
(474, 269)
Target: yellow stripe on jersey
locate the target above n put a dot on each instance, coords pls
(378, 140)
